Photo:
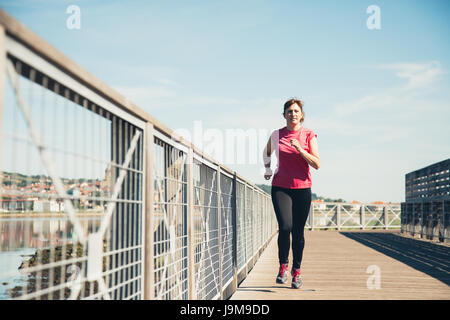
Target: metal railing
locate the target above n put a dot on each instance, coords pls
(363, 216)
(99, 200)
(427, 218)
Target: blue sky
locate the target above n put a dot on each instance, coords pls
(378, 99)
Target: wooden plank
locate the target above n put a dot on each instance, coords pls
(335, 267)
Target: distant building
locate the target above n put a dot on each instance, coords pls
(14, 203)
(356, 205)
(431, 182)
(48, 206)
(427, 194)
(319, 204)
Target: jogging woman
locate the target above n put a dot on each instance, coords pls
(296, 149)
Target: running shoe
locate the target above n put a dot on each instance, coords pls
(282, 274)
(297, 282)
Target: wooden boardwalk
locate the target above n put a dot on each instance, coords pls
(335, 266)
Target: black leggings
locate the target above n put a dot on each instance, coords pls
(292, 209)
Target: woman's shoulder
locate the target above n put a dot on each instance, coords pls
(309, 131)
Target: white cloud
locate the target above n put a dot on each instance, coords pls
(419, 78)
(417, 75)
(382, 100)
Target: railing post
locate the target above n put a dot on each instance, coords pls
(149, 277)
(338, 216)
(311, 214)
(253, 227)
(445, 240)
(192, 294)
(433, 217)
(362, 212)
(404, 217)
(235, 231)
(421, 220)
(410, 210)
(219, 231)
(434, 212)
(411, 215)
(385, 217)
(439, 225)
(245, 227)
(414, 218)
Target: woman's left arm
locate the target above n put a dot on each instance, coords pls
(311, 157)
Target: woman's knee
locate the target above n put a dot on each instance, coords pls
(285, 227)
(298, 234)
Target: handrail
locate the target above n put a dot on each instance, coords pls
(363, 216)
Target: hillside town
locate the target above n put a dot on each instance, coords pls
(38, 194)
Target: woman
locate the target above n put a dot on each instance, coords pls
(296, 149)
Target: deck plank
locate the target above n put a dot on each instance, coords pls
(335, 265)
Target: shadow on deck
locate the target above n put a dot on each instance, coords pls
(427, 257)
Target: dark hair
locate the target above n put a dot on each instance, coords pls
(292, 101)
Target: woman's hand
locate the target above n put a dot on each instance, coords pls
(311, 157)
(268, 173)
(296, 144)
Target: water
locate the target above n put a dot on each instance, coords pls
(20, 237)
(10, 276)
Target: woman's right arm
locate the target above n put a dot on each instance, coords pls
(267, 153)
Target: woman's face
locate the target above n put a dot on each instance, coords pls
(293, 114)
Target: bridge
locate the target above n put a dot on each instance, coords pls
(100, 200)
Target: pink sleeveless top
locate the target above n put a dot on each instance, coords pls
(292, 171)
